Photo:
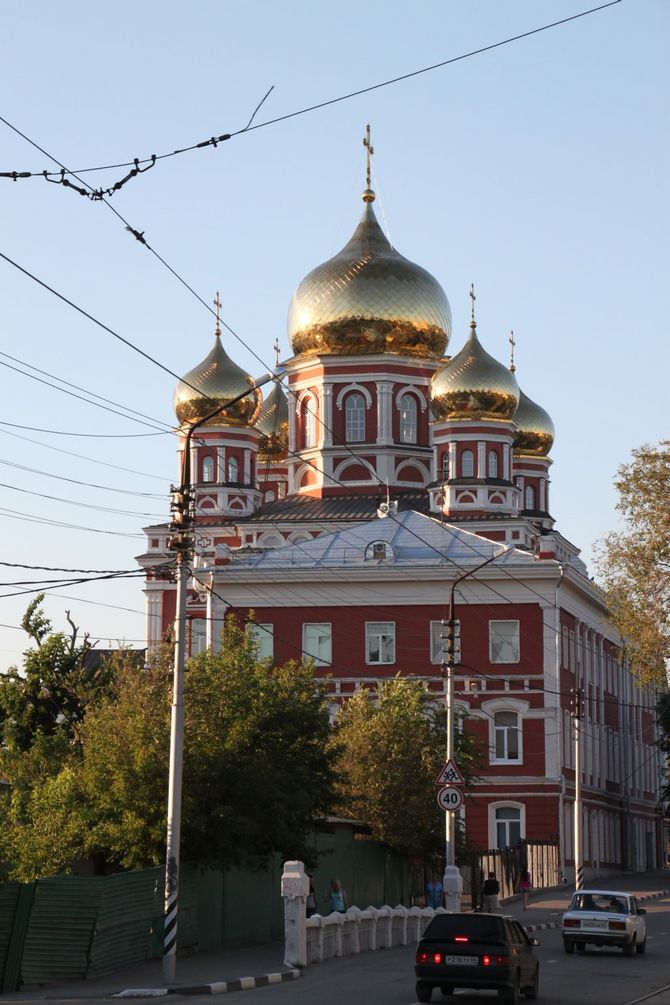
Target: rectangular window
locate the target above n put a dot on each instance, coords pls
(317, 642)
(504, 641)
(380, 642)
(198, 635)
(439, 641)
(263, 636)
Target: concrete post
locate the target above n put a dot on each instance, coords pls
(294, 890)
(453, 888)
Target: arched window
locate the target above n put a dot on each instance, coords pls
(355, 418)
(506, 735)
(309, 422)
(445, 465)
(408, 419)
(208, 470)
(530, 497)
(467, 464)
(269, 497)
(493, 464)
(508, 826)
(233, 470)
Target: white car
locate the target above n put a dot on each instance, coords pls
(604, 918)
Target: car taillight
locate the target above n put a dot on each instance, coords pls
(424, 957)
(570, 923)
(461, 938)
(496, 961)
(619, 926)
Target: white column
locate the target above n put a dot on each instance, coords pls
(452, 459)
(221, 464)
(481, 459)
(154, 614)
(506, 452)
(384, 419)
(216, 610)
(543, 495)
(195, 474)
(327, 425)
(247, 467)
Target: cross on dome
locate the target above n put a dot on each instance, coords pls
(473, 323)
(217, 304)
(368, 195)
(512, 343)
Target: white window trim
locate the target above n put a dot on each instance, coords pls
(325, 624)
(505, 804)
(268, 631)
(348, 433)
(339, 400)
(377, 663)
(411, 389)
(493, 759)
(522, 709)
(498, 662)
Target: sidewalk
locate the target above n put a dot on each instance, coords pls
(251, 966)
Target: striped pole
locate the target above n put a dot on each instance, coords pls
(579, 865)
(175, 782)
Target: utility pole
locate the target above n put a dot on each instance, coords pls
(452, 881)
(182, 543)
(578, 712)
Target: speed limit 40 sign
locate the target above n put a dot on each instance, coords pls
(450, 798)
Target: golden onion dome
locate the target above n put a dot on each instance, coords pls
(217, 380)
(369, 298)
(535, 435)
(474, 385)
(273, 425)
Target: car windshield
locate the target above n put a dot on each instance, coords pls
(610, 903)
(471, 927)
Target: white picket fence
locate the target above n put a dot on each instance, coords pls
(363, 931)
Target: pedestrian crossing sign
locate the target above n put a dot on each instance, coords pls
(449, 775)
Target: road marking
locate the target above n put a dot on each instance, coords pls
(652, 994)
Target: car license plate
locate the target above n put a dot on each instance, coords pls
(462, 961)
(594, 924)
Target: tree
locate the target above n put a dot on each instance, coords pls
(258, 768)
(57, 682)
(635, 562)
(393, 744)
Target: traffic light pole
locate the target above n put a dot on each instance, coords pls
(577, 717)
(182, 544)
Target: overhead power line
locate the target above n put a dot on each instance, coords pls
(136, 163)
(99, 436)
(76, 481)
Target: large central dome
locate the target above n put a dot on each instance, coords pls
(369, 298)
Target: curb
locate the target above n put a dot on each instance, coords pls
(215, 988)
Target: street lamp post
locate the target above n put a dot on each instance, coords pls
(181, 543)
(452, 881)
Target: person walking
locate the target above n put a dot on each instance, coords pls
(337, 897)
(434, 892)
(523, 886)
(311, 905)
(490, 894)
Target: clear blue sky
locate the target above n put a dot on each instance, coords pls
(538, 171)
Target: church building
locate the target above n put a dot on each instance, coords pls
(334, 516)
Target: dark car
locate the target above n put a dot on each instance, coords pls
(488, 951)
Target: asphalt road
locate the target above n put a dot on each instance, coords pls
(597, 977)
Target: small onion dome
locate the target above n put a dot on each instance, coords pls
(474, 385)
(215, 381)
(273, 425)
(535, 435)
(369, 298)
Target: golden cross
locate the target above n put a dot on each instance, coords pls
(276, 353)
(370, 150)
(217, 304)
(512, 343)
(473, 298)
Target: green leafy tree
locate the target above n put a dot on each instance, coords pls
(393, 742)
(258, 767)
(57, 682)
(635, 562)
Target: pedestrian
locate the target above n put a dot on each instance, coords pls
(434, 892)
(490, 894)
(523, 886)
(337, 897)
(311, 905)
